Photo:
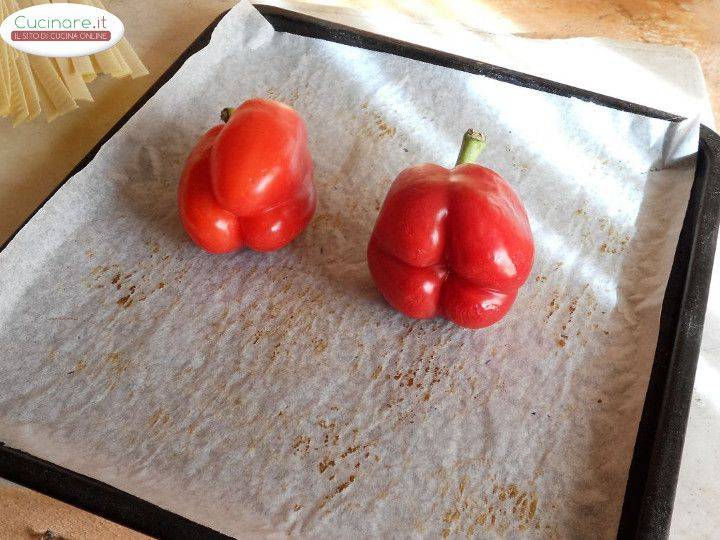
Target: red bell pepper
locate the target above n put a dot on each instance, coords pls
(452, 243)
(249, 182)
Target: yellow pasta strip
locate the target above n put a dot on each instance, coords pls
(95, 65)
(19, 110)
(125, 70)
(133, 60)
(106, 62)
(4, 72)
(80, 65)
(84, 66)
(124, 50)
(73, 80)
(18, 105)
(50, 80)
(51, 113)
(4, 91)
(29, 87)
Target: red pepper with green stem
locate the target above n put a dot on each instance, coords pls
(248, 182)
(452, 243)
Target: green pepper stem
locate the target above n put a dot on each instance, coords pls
(226, 113)
(472, 144)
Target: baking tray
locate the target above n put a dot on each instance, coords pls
(650, 490)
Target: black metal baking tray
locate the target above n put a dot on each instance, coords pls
(652, 478)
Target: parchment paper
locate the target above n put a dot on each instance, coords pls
(278, 392)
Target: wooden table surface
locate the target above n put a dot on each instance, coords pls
(36, 157)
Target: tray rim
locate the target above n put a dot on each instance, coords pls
(658, 447)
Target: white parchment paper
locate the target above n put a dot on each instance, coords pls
(278, 393)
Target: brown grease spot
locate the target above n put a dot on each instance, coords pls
(350, 450)
(383, 127)
(506, 508)
(554, 306)
(344, 485)
(301, 444)
(451, 515)
(327, 462)
(319, 345)
(80, 366)
(117, 364)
